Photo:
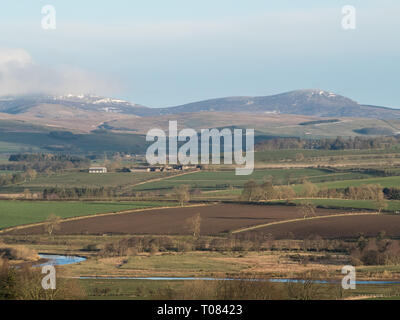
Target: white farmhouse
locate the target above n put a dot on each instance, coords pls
(97, 170)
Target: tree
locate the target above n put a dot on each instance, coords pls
(182, 194)
(193, 224)
(309, 189)
(251, 191)
(52, 223)
(268, 190)
(381, 204)
(24, 283)
(299, 157)
(307, 209)
(27, 194)
(31, 174)
(285, 192)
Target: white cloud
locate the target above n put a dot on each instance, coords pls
(20, 74)
(16, 57)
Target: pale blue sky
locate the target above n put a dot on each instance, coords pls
(163, 53)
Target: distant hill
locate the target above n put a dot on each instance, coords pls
(311, 102)
(22, 104)
(89, 123)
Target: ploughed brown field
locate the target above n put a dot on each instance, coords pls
(335, 227)
(215, 219)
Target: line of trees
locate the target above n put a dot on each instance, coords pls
(266, 191)
(55, 193)
(338, 143)
(43, 162)
(252, 191)
(20, 177)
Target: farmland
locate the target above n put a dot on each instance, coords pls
(383, 181)
(216, 219)
(337, 227)
(347, 204)
(267, 236)
(84, 179)
(15, 213)
(285, 155)
(222, 179)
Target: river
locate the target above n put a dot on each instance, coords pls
(59, 260)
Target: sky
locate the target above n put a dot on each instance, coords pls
(162, 53)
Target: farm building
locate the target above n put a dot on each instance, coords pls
(97, 170)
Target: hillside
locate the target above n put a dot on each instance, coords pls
(312, 102)
(95, 124)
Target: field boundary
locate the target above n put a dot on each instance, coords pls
(38, 224)
(163, 178)
(302, 219)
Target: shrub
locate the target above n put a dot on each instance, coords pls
(18, 253)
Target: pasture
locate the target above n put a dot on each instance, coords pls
(212, 180)
(84, 179)
(393, 181)
(14, 213)
(290, 154)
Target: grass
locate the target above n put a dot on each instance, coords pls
(186, 265)
(188, 262)
(99, 289)
(84, 179)
(211, 180)
(7, 172)
(383, 181)
(14, 213)
(78, 179)
(279, 155)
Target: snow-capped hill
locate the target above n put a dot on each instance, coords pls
(110, 100)
(87, 98)
(20, 104)
(308, 102)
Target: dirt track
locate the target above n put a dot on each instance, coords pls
(215, 219)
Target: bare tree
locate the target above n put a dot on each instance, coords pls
(193, 224)
(182, 194)
(52, 223)
(309, 189)
(299, 157)
(381, 204)
(251, 191)
(379, 197)
(307, 209)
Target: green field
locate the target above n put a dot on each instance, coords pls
(84, 179)
(14, 213)
(290, 154)
(7, 172)
(211, 180)
(383, 181)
